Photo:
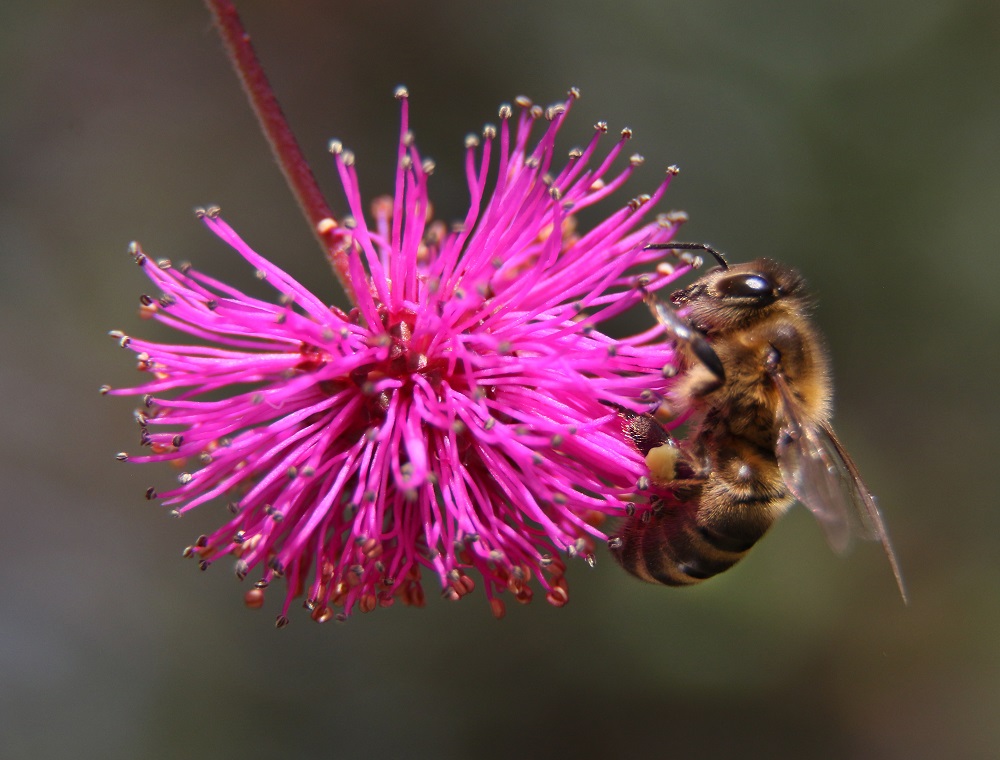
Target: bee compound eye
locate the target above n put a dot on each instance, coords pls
(755, 286)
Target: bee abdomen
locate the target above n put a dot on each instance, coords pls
(688, 542)
(739, 543)
(674, 550)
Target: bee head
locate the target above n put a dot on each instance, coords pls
(740, 295)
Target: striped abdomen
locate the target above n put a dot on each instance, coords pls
(703, 526)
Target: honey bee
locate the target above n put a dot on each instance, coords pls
(755, 376)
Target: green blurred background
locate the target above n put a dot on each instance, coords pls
(854, 140)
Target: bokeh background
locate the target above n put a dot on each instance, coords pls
(855, 140)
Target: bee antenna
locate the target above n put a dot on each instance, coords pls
(717, 255)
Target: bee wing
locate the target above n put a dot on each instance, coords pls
(824, 478)
(816, 472)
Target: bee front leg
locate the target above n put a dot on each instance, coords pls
(695, 342)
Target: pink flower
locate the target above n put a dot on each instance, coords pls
(459, 423)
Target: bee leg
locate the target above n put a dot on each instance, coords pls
(644, 431)
(667, 460)
(685, 333)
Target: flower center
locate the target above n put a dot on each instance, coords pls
(406, 358)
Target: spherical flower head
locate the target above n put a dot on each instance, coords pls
(461, 422)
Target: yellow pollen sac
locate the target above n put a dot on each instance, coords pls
(661, 461)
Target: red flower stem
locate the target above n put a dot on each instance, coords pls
(283, 143)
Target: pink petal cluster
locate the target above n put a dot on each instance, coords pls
(459, 423)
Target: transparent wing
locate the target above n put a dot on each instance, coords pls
(815, 469)
(824, 478)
